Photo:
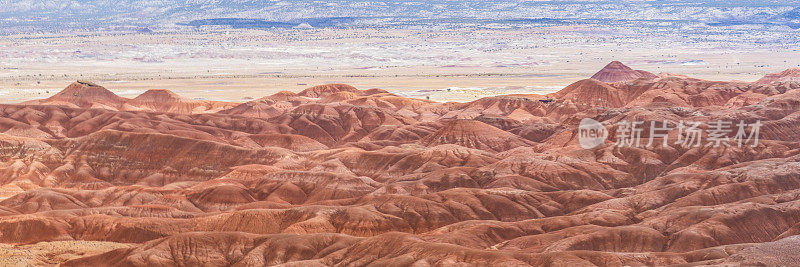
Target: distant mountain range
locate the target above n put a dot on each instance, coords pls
(44, 15)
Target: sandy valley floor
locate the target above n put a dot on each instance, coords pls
(235, 65)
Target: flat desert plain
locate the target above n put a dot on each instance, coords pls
(239, 64)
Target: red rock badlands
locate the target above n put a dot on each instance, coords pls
(334, 175)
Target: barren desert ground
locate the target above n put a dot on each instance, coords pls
(337, 175)
(235, 65)
(399, 133)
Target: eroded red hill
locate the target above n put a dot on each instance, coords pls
(618, 72)
(334, 175)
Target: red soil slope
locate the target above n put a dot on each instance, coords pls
(618, 72)
(789, 75)
(334, 175)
